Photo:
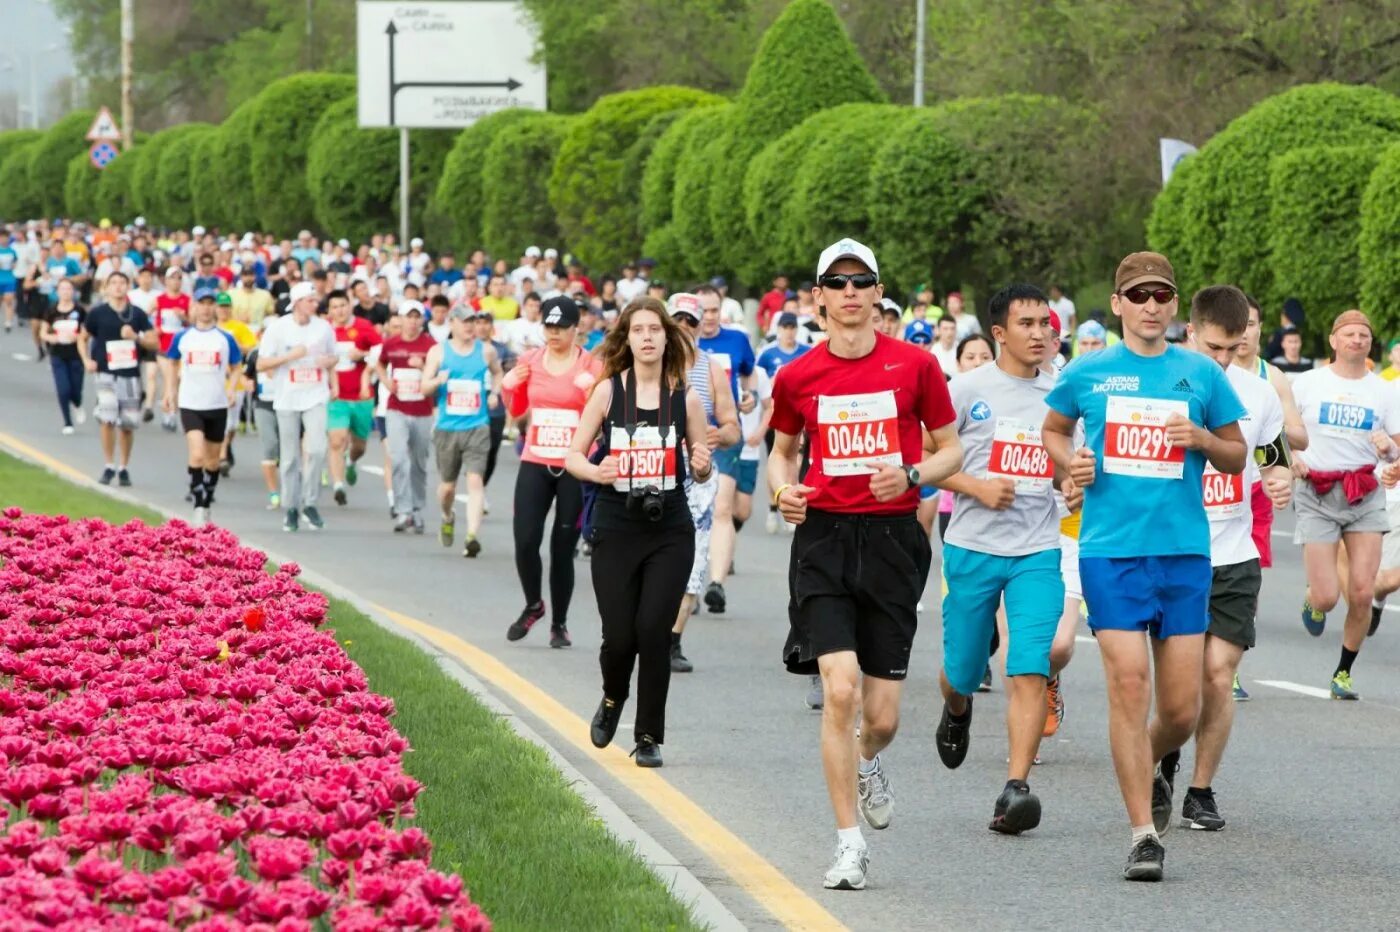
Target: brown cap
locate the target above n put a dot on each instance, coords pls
(1142, 267)
(1347, 318)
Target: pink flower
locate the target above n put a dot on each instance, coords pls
(279, 859)
(440, 888)
(347, 845)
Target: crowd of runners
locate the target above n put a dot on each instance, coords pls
(1070, 475)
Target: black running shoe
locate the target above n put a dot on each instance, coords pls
(714, 598)
(1145, 860)
(679, 663)
(986, 685)
(313, 518)
(952, 736)
(1376, 612)
(107, 476)
(340, 497)
(647, 752)
(559, 636)
(605, 722)
(1198, 811)
(522, 625)
(123, 478)
(1162, 791)
(1017, 809)
(148, 415)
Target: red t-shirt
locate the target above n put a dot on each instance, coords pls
(361, 335)
(405, 389)
(859, 411)
(554, 402)
(170, 317)
(586, 282)
(768, 305)
(225, 275)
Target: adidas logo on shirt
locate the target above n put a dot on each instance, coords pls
(1182, 386)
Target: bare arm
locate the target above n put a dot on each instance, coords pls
(1293, 427)
(696, 431)
(431, 366)
(589, 423)
(726, 434)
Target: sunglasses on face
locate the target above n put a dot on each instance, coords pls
(687, 319)
(861, 280)
(1140, 295)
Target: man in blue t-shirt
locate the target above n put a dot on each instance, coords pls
(731, 349)
(779, 354)
(1153, 414)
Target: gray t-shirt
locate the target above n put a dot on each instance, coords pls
(998, 419)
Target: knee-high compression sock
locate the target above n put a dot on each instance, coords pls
(211, 479)
(197, 486)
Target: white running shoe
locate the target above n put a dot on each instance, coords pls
(876, 797)
(919, 607)
(67, 431)
(847, 870)
(79, 416)
(771, 525)
(201, 517)
(791, 528)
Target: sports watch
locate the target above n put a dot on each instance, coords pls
(911, 473)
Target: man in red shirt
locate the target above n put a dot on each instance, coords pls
(171, 314)
(350, 417)
(872, 407)
(772, 303)
(409, 420)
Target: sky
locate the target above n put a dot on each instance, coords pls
(32, 29)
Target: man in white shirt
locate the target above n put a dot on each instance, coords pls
(298, 352)
(967, 323)
(112, 261)
(1061, 304)
(629, 286)
(417, 262)
(731, 312)
(526, 332)
(945, 345)
(526, 269)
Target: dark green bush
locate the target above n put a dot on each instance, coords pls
(1379, 243)
(17, 200)
(177, 173)
(48, 161)
(769, 206)
(660, 183)
(281, 123)
(455, 211)
(515, 212)
(223, 197)
(144, 194)
(113, 196)
(80, 188)
(699, 254)
(1168, 227)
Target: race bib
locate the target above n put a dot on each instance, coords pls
(463, 397)
(725, 363)
(408, 384)
(551, 432)
(1017, 454)
(343, 362)
(1223, 494)
(170, 322)
(121, 354)
(1345, 416)
(308, 376)
(857, 434)
(65, 330)
(203, 360)
(1135, 438)
(644, 459)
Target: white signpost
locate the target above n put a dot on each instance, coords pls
(442, 65)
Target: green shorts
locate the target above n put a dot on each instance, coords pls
(354, 416)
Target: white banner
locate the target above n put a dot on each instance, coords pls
(1173, 151)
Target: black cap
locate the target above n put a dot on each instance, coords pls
(561, 311)
(787, 319)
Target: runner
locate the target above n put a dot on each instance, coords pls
(409, 420)
(1003, 543)
(1235, 560)
(9, 281)
(204, 358)
(239, 384)
(773, 358)
(1349, 414)
(61, 323)
(643, 539)
(351, 413)
(116, 328)
(551, 385)
(1144, 542)
(484, 325)
(172, 313)
(859, 558)
(265, 421)
(297, 352)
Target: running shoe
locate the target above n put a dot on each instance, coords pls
(201, 516)
(1198, 811)
(471, 548)
(402, 523)
(68, 430)
(123, 478)
(848, 868)
(919, 607)
(771, 523)
(447, 532)
(167, 423)
(352, 475)
(559, 637)
(1145, 860)
(1055, 700)
(1342, 688)
(952, 736)
(1377, 610)
(1162, 790)
(647, 752)
(876, 797)
(816, 697)
(714, 598)
(274, 501)
(522, 625)
(1237, 691)
(986, 685)
(289, 523)
(313, 518)
(1017, 809)
(79, 416)
(226, 466)
(605, 721)
(107, 476)
(339, 495)
(418, 526)
(1313, 620)
(679, 663)
(148, 415)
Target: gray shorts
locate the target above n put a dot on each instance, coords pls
(1390, 550)
(119, 400)
(459, 450)
(1323, 520)
(265, 420)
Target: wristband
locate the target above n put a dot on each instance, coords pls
(778, 493)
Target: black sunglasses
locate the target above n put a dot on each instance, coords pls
(1140, 295)
(861, 280)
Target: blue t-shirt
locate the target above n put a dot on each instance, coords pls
(447, 277)
(55, 271)
(731, 349)
(775, 357)
(1146, 499)
(593, 340)
(8, 259)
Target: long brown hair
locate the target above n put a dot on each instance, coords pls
(676, 358)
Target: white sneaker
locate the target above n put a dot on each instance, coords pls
(201, 517)
(772, 523)
(68, 431)
(79, 416)
(876, 797)
(919, 607)
(791, 528)
(847, 870)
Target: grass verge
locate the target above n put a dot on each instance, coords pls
(532, 853)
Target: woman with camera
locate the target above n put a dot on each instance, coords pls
(643, 539)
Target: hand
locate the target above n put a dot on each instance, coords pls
(90, 365)
(1280, 491)
(712, 437)
(755, 439)
(700, 459)
(792, 504)
(493, 399)
(1074, 495)
(747, 402)
(1390, 475)
(1385, 447)
(997, 494)
(325, 362)
(127, 332)
(296, 353)
(1083, 467)
(1299, 467)
(1182, 432)
(607, 470)
(517, 375)
(415, 361)
(888, 483)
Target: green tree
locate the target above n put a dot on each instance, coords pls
(662, 240)
(80, 187)
(1379, 243)
(695, 250)
(455, 215)
(515, 172)
(48, 161)
(177, 174)
(113, 196)
(769, 204)
(282, 119)
(18, 198)
(223, 193)
(145, 197)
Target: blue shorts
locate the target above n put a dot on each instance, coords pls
(976, 584)
(1164, 596)
(747, 479)
(726, 460)
(380, 427)
(7, 286)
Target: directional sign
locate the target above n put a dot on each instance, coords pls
(444, 64)
(104, 127)
(101, 154)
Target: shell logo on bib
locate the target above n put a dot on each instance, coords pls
(843, 416)
(1137, 416)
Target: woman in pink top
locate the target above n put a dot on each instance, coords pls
(552, 384)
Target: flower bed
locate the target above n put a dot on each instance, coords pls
(181, 746)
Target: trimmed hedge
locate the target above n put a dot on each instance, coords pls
(80, 187)
(113, 196)
(455, 211)
(178, 173)
(1169, 228)
(515, 172)
(145, 196)
(1379, 243)
(696, 250)
(281, 122)
(596, 202)
(224, 199)
(17, 201)
(48, 160)
(769, 205)
(1314, 221)
(660, 180)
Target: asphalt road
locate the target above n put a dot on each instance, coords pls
(1308, 787)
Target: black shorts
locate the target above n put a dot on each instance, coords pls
(854, 584)
(1234, 601)
(213, 424)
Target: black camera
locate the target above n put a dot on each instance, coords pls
(646, 500)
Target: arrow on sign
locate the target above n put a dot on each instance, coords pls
(509, 84)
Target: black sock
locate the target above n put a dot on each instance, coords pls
(967, 713)
(197, 485)
(211, 479)
(738, 525)
(675, 638)
(1199, 792)
(1017, 785)
(1348, 657)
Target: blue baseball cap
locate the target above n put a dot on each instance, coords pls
(204, 294)
(918, 331)
(1091, 329)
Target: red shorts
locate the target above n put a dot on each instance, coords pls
(1263, 509)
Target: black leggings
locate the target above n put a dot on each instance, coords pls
(498, 430)
(536, 488)
(639, 577)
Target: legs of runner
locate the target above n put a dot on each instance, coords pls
(1222, 659)
(68, 383)
(337, 446)
(700, 496)
(408, 451)
(536, 488)
(265, 419)
(722, 535)
(289, 458)
(476, 502)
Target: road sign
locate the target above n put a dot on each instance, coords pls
(102, 153)
(444, 65)
(104, 128)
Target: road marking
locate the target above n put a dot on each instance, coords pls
(1313, 691)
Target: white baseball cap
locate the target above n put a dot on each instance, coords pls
(197, 231)
(533, 252)
(300, 290)
(343, 244)
(683, 302)
(846, 249)
(417, 242)
(139, 222)
(409, 306)
(551, 253)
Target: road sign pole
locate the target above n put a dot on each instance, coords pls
(127, 38)
(403, 186)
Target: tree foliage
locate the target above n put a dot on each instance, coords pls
(147, 196)
(695, 250)
(515, 174)
(80, 187)
(1379, 242)
(225, 199)
(660, 178)
(48, 160)
(457, 202)
(281, 123)
(18, 198)
(113, 196)
(178, 174)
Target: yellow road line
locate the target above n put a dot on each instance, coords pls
(788, 903)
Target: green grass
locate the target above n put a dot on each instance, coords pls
(532, 853)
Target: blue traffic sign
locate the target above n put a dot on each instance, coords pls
(101, 154)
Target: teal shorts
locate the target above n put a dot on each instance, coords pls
(746, 479)
(354, 416)
(976, 584)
